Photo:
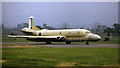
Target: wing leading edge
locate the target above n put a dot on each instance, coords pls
(38, 37)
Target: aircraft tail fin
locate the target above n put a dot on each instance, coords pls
(31, 26)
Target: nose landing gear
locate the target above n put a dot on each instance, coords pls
(68, 42)
(48, 42)
(87, 43)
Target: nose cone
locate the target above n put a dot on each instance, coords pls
(98, 37)
(94, 37)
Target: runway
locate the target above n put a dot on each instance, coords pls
(63, 45)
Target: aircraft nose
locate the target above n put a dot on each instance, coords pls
(98, 37)
(94, 37)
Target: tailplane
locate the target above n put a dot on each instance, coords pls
(31, 26)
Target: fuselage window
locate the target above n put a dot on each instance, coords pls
(39, 34)
(87, 32)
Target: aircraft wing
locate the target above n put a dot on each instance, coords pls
(38, 37)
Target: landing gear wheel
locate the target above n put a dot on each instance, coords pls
(87, 42)
(14, 38)
(48, 42)
(68, 42)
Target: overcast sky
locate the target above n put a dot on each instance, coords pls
(77, 14)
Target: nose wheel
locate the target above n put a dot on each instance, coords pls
(87, 42)
(48, 42)
(68, 42)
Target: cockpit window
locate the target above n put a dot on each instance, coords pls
(88, 32)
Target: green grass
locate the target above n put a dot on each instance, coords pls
(45, 56)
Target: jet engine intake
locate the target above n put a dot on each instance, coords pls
(61, 38)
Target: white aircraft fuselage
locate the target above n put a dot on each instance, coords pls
(67, 35)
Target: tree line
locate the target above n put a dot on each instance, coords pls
(115, 30)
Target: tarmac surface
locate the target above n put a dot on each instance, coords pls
(37, 45)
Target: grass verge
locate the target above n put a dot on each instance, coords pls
(60, 56)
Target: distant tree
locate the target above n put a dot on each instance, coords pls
(13, 33)
(25, 25)
(102, 28)
(65, 25)
(82, 28)
(116, 29)
(96, 27)
(39, 27)
(108, 31)
(49, 27)
(44, 25)
(19, 26)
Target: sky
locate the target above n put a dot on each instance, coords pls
(76, 14)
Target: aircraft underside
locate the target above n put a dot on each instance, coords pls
(67, 40)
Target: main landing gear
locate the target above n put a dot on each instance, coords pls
(68, 42)
(87, 42)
